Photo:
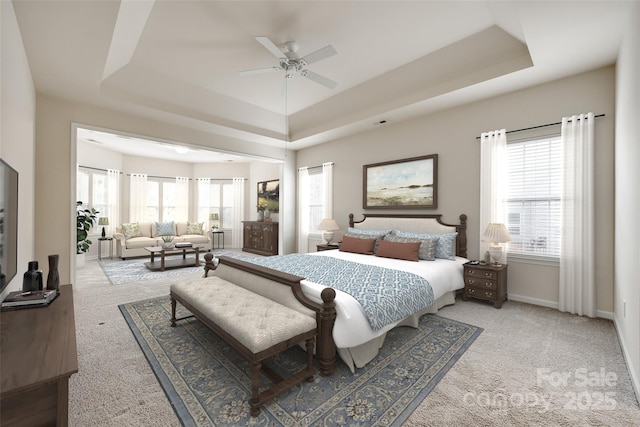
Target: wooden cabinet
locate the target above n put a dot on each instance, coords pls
(326, 247)
(38, 355)
(260, 237)
(485, 282)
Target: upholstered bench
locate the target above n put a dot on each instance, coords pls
(255, 326)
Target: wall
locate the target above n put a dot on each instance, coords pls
(452, 135)
(56, 157)
(627, 198)
(17, 137)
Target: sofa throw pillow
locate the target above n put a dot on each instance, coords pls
(446, 246)
(399, 250)
(356, 245)
(427, 249)
(165, 228)
(194, 227)
(131, 229)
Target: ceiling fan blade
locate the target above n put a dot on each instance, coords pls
(271, 47)
(259, 71)
(318, 55)
(315, 77)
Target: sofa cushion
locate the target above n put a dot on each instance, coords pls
(196, 239)
(194, 227)
(141, 242)
(165, 228)
(131, 229)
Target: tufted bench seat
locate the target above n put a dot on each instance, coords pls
(255, 326)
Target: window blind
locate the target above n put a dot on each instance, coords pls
(534, 190)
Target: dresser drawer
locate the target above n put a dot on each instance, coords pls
(480, 283)
(480, 273)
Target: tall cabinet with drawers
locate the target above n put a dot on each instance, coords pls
(260, 237)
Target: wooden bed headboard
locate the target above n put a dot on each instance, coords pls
(427, 223)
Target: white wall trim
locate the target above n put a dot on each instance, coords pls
(635, 381)
(553, 304)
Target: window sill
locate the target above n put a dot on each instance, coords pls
(533, 259)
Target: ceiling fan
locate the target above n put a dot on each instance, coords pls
(292, 64)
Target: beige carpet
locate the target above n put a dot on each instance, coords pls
(531, 366)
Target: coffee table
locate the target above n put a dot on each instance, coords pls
(172, 263)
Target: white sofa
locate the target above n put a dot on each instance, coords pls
(134, 246)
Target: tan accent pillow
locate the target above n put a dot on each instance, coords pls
(358, 246)
(131, 229)
(406, 251)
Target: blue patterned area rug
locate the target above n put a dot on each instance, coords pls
(207, 383)
(120, 271)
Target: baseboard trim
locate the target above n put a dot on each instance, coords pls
(635, 381)
(553, 304)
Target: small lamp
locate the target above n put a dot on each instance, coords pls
(496, 234)
(103, 221)
(214, 217)
(328, 225)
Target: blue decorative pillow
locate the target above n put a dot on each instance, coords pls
(165, 228)
(446, 247)
(377, 233)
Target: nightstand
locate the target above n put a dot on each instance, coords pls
(326, 247)
(485, 282)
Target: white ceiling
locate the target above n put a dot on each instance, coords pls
(179, 60)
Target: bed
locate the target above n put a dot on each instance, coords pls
(356, 341)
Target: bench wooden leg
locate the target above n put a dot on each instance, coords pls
(173, 312)
(254, 402)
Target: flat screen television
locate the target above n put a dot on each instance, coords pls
(8, 223)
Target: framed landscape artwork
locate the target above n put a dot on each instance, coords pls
(269, 194)
(401, 184)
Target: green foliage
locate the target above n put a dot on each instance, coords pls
(85, 220)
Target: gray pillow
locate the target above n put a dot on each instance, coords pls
(427, 249)
(446, 247)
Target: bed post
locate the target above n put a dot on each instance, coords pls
(462, 237)
(326, 347)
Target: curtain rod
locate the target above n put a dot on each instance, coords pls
(316, 167)
(540, 126)
(96, 169)
(190, 179)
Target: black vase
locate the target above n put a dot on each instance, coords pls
(53, 279)
(32, 279)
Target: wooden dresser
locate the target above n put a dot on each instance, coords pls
(485, 282)
(39, 354)
(260, 237)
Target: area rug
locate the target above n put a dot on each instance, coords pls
(207, 383)
(120, 271)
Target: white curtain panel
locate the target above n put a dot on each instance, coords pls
(303, 210)
(493, 182)
(113, 200)
(577, 284)
(238, 212)
(204, 199)
(327, 190)
(181, 213)
(138, 197)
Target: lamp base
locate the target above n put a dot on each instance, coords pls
(328, 236)
(496, 255)
(104, 234)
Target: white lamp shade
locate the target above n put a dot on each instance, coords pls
(328, 224)
(496, 233)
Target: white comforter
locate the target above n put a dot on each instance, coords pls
(352, 328)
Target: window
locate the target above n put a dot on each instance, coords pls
(216, 197)
(534, 191)
(91, 190)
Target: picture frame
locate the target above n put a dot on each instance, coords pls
(401, 184)
(269, 194)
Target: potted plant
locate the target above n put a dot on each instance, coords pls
(85, 220)
(167, 242)
(261, 207)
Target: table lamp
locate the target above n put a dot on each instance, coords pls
(103, 221)
(328, 225)
(496, 234)
(214, 217)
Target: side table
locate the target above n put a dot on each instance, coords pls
(486, 282)
(326, 247)
(217, 234)
(102, 239)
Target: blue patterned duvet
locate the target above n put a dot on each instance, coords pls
(385, 294)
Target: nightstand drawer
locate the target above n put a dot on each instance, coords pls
(480, 283)
(484, 274)
(480, 294)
